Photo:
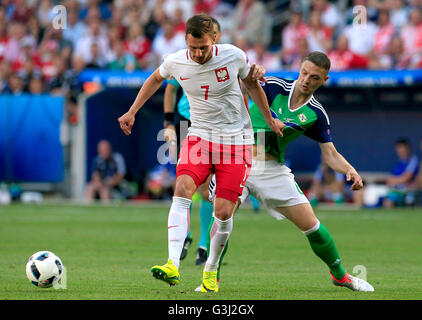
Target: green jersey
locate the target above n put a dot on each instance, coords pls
(310, 119)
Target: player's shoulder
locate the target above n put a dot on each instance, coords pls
(281, 85)
(319, 110)
(180, 55)
(229, 49)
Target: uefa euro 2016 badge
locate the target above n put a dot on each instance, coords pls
(222, 74)
(302, 117)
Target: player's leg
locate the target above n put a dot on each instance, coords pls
(177, 229)
(189, 177)
(230, 180)
(188, 239)
(181, 127)
(205, 214)
(322, 244)
(319, 238)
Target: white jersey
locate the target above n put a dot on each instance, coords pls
(217, 107)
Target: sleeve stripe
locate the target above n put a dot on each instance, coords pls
(317, 105)
(279, 84)
(280, 81)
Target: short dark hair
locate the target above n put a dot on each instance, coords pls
(214, 21)
(319, 59)
(199, 25)
(403, 141)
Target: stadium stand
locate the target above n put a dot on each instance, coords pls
(117, 43)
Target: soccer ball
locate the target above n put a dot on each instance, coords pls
(44, 269)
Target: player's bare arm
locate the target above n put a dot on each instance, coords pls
(150, 86)
(169, 98)
(258, 96)
(338, 163)
(170, 94)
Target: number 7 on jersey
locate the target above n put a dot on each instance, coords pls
(207, 88)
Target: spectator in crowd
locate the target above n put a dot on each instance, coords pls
(384, 33)
(414, 193)
(330, 15)
(160, 181)
(360, 37)
(260, 54)
(291, 34)
(167, 41)
(53, 44)
(178, 20)
(358, 5)
(411, 34)
(342, 58)
(108, 171)
(297, 59)
(16, 32)
(319, 37)
(418, 181)
(34, 30)
(116, 22)
(170, 6)
(395, 58)
(403, 174)
(16, 85)
(207, 6)
(75, 28)
(122, 60)
(97, 5)
(66, 84)
(4, 76)
(398, 12)
(22, 11)
(330, 186)
(327, 185)
(28, 71)
(138, 44)
(250, 21)
(3, 35)
(44, 13)
(26, 53)
(36, 85)
(94, 45)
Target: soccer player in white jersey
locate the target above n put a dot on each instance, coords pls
(220, 138)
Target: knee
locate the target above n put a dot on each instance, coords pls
(185, 187)
(222, 212)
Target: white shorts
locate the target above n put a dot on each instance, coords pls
(272, 184)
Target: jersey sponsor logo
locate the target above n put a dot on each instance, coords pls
(181, 78)
(222, 74)
(302, 117)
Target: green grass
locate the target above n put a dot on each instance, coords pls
(108, 252)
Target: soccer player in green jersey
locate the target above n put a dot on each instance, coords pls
(273, 184)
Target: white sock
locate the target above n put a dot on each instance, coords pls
(220, 233)
(178, 226)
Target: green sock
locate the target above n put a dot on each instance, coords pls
(324, 247)
(208, 247)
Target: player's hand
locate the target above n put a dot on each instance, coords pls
(356, 178)
(170, 133)
(126, 122)
(257, 72)
(277, 126)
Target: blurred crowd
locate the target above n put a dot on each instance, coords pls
(134, 34)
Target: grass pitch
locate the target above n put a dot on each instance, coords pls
(108, 252)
